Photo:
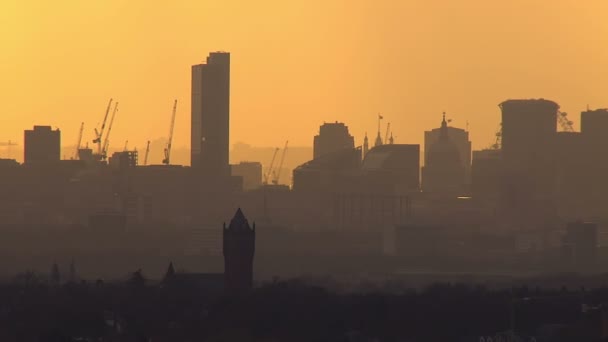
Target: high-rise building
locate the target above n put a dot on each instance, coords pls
(211, 116)
(529, 130)
(239, 248)
(42, 144)
(332, 137)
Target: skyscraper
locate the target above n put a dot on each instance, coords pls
(210, 123)
(528, 139)
(42, 144)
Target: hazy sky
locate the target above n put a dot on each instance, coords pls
(297, 63)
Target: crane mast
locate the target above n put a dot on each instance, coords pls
(167, 159)
(388, 128)
(106, 142)
(79, 141)
(269, 171)
(99, 134)
(147, 153)
(277, 175)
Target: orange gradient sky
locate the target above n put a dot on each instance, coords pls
(297, 63)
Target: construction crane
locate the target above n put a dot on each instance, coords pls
(277, 175)
(99, 134)
(167, 159)
(126, 146)
(388, 127)
(565, 124)
(106, 142)
(269, 171)
(147, 153)
(497, 145)
(79, 141)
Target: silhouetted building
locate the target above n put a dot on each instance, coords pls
(444, 170)
(327, 173)
(460, 138)
(42, 145)
(576, 175)
(486, 175)
(393, 168)
(332, 137)
(239, 249)
(211, 116)
(594, 124)
(251, 172)
(592, 162)
(123, 159)
(528, 145)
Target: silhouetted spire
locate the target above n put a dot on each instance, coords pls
(378, 141)
(391, 140)
(239, 222)
(443, 134)
(365, 145)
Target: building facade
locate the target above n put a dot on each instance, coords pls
(239, 248)
(42, 145)
(210, 121)
(529, 130)
(460, 138)
(444, 169)
(250, 172)
(332, 137)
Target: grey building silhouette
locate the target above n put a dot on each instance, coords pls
(529, 130)
(444, 169)
(460, 138)
(332, 137)
(210, 122)
(250, 172)
(239, 249)
(42, 144)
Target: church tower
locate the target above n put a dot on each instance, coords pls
(239, 248)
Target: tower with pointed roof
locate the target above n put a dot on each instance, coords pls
(365, 145)
(239, 249)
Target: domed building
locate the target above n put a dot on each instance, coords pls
(444, 172)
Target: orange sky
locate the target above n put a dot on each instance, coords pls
(297, 63)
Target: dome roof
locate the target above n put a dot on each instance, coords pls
(443, 151)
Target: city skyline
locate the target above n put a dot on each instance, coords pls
(432, 62)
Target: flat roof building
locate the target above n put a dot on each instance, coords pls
(42, 145)
(210, 130)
